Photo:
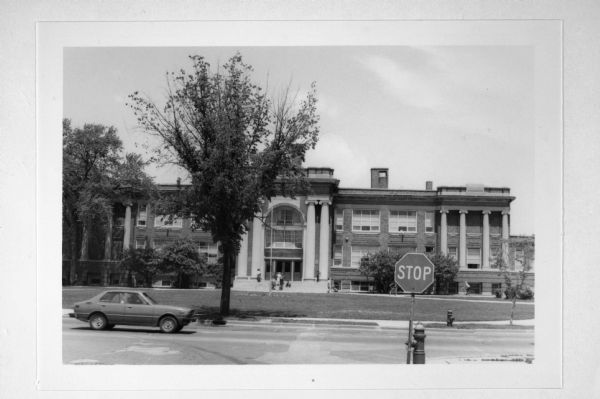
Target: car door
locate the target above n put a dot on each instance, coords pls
(138, 311)
(111, 305)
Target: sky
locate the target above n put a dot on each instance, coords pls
(454, 115)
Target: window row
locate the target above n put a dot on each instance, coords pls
(369, 220)
(209, 249)
(358, 252)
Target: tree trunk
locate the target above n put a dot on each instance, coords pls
(108, 236)
(73, 253)
(85, 240)
(512, 310)
(226, 283)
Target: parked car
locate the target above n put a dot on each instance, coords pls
(133, 308)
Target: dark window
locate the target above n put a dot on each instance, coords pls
(496, 287)
(475, 288)
(110, 297)
(428, 250)
(133, 299)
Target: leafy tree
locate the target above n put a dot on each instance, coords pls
(146, 262)
(95, 176)
(380, 267)
(238, 146)
(446, 269)
(514, 266)
(90, 156)
(182, 258)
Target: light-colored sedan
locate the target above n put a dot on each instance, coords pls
(133, 308)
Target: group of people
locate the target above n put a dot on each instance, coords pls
(277, 281)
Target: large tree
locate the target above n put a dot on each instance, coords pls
(238, 146)
(95, 177)
(90, 158)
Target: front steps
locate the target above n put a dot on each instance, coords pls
(265, 286)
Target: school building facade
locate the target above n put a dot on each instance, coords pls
(318, 238)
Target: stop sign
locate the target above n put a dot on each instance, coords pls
(414, 273)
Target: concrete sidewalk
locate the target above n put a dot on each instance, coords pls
(400, 324)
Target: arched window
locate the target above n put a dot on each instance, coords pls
(284, 228)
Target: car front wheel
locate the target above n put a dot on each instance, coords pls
(98, 322)
(168, 324)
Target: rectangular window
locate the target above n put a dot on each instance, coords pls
(337, 256)
(141, 215)
(365, 220)
(403, 221)
(339, 220)
(209, 249)
(290, 239)
(358, 252)
(473, 258)
(362, 286)
(453, 252)
(429, 221)
(168, 221)
(140, 243)
(496, 287)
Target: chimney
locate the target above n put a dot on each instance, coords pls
(379, 178)
(429, 185)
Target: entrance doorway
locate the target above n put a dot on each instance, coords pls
(291, 270)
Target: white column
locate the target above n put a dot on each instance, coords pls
(505, 235)
(242, 259)
(485, 250)
(127, 227)
(462, 255)
(324, 242)
(444, 232)
(258, 256)
(309, 261)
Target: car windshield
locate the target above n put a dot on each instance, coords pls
(149, 298)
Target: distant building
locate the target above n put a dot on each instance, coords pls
(318, 238)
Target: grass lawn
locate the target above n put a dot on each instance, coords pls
(335, 306)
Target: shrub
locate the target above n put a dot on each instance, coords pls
(498, 293)
(510, 293)
(525, 293)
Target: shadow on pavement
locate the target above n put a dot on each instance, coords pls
(211, 313)
(138, 330)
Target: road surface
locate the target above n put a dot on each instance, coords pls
(258, 342)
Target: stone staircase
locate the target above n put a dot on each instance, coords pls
(264, 286)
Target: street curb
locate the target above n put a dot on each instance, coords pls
(386, 324)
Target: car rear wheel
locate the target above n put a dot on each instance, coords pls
(98, 321)
(168, 324)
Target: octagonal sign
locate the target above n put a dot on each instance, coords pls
(414, 273)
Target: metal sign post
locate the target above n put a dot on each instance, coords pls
(414, 274)
(410, 328)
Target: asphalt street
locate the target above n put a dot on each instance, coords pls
(256, 342)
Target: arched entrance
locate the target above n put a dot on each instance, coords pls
(284, 237)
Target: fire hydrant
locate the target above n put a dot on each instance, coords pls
(419, 344)
(449, 319)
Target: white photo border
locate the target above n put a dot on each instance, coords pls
(543, 35)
